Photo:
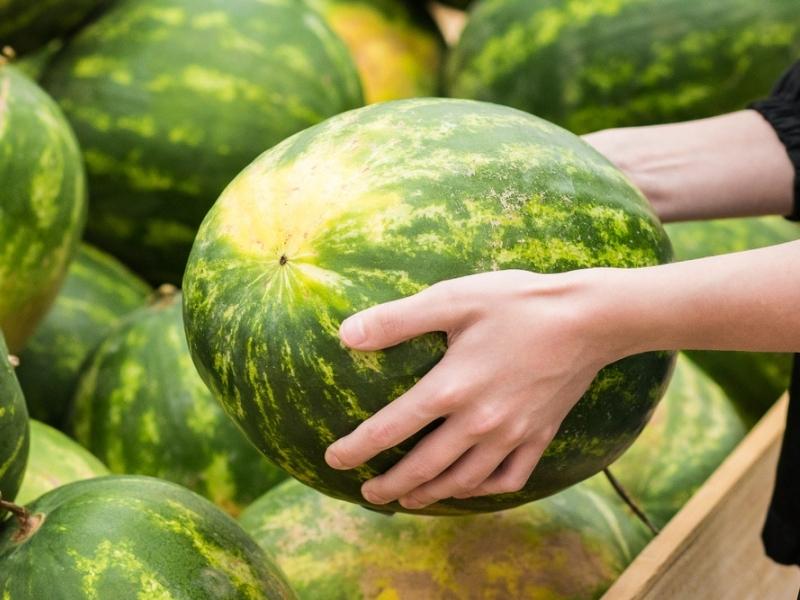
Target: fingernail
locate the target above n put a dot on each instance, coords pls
(333, 460)
(352, 331)
(410, 503)
(372, 498)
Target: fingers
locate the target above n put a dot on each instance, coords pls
(428, 400)
(462, 477)
(430, 457)
(514, 473)
(394, 322)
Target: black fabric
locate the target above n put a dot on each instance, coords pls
(781, 533)
(782, 111)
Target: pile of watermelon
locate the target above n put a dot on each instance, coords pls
(196, 193)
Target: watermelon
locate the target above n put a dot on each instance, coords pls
(752, 380)
(171, 98)
(55, 460)
(379, 203)
(96, 294)
(27, 25)
(141, 408)
(14, 435)
(692, 431)
(397, 47)
(572, 545)
(42, 204)
(131, 538)
(596, 64)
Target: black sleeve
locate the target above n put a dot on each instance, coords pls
(782, 111)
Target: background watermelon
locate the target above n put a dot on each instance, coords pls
(752, 380)
(55, 460)
(130, 538)
(595, 64)
(572, 545)
(377, 204)
(171, 98)
(692, 431)
(397, 47)
(13, 428)
(26, 25)
(141, 408)
(96, 294)
(42, 203)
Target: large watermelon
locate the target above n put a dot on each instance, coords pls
(29, 24)
(42, 203)
(172, 98)
(397, 47)
(131, 538)
(753, 381)
(96, 294)
(692, 431)
(14, 438)
(55, 460)
(377, 204)
(572, 545)
(593, 64)
(141, 408)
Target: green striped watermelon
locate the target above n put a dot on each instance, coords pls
(132, 538)
(55, 460)
(595, 64)
(752, 380)
(692, 431)
(572, 545)
(397, 47)
(377, 204)
(42, 203)
(14, 436)
(171, 98)
(26, 25)
(141, 408)
(96, 294)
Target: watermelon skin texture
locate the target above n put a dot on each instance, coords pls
(14, 429)
(55, 460)
(596, 64)
(97, 292)
(130, 538)
(164, 127)
(377, 204)
(571, 545)
(752, 380)
(693, 429)
(397, 47)
(142, 408)
(42, 203)
(27, 26)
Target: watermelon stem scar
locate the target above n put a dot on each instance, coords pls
(165, 295)
(28, 523)
(283, 260)
(626, 498)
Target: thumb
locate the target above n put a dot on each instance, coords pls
(394, 322)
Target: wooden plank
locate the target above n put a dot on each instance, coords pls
(712, 548)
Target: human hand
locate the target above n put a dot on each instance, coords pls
(522, 349)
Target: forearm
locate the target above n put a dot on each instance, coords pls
(743, 301)
(727, 166)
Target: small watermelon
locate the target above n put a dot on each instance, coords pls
(96, 294)
(42, 203)
(171, 98)
(141, 408)
(14, 430)
(379, 203)
(571, 545)
(55, 460)
(594, 64)
(753, 381)
(692, 431)
(130, 538)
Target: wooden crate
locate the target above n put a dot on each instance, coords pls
(712, 548)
